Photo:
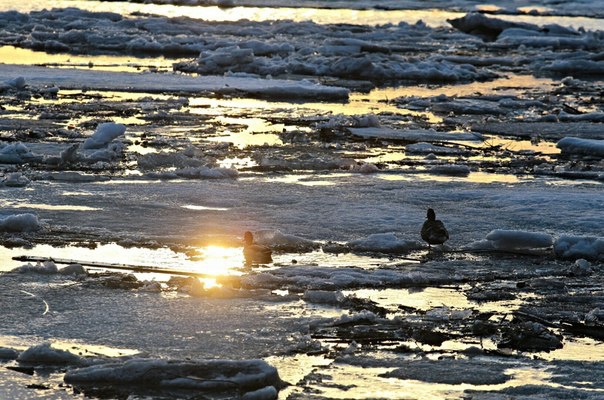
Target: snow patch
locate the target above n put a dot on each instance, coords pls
(104, 134)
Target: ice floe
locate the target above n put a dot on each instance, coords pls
(583, 147)
(205, 375)
(414, 135)
(103, 80)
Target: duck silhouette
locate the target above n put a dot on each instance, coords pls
(255, 253)
(433, 230)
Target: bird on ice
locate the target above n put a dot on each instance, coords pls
(433, 230)
(255, 253)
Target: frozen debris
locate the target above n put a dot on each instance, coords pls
(17, 153)
(511, 240)
(20, 223)
(573, 247)
(414, 135)
(200, 376)
(384, 243)
(449, 169)
(104, 134)
(50, 268)
(44, 354)
(46, 268)
(428, 148)
(280, 241)
(15, 179)
(530, 336)
(8, 353)
(582, 147)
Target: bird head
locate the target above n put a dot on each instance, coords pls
(431, 214)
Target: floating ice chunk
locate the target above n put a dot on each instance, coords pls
(16, 179)
(589, 147)
(323, 297)
(510, 240)
(44, 354)
(103, 135)
(282, 241)
(449, 169)
(588, 247)
(47, 268)
(363, 316)
(384, 243)
(8, 353)
(266, 393)
(20, 223)
(205, 375)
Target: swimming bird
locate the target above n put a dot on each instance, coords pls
(255, 253)
(433, 230)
